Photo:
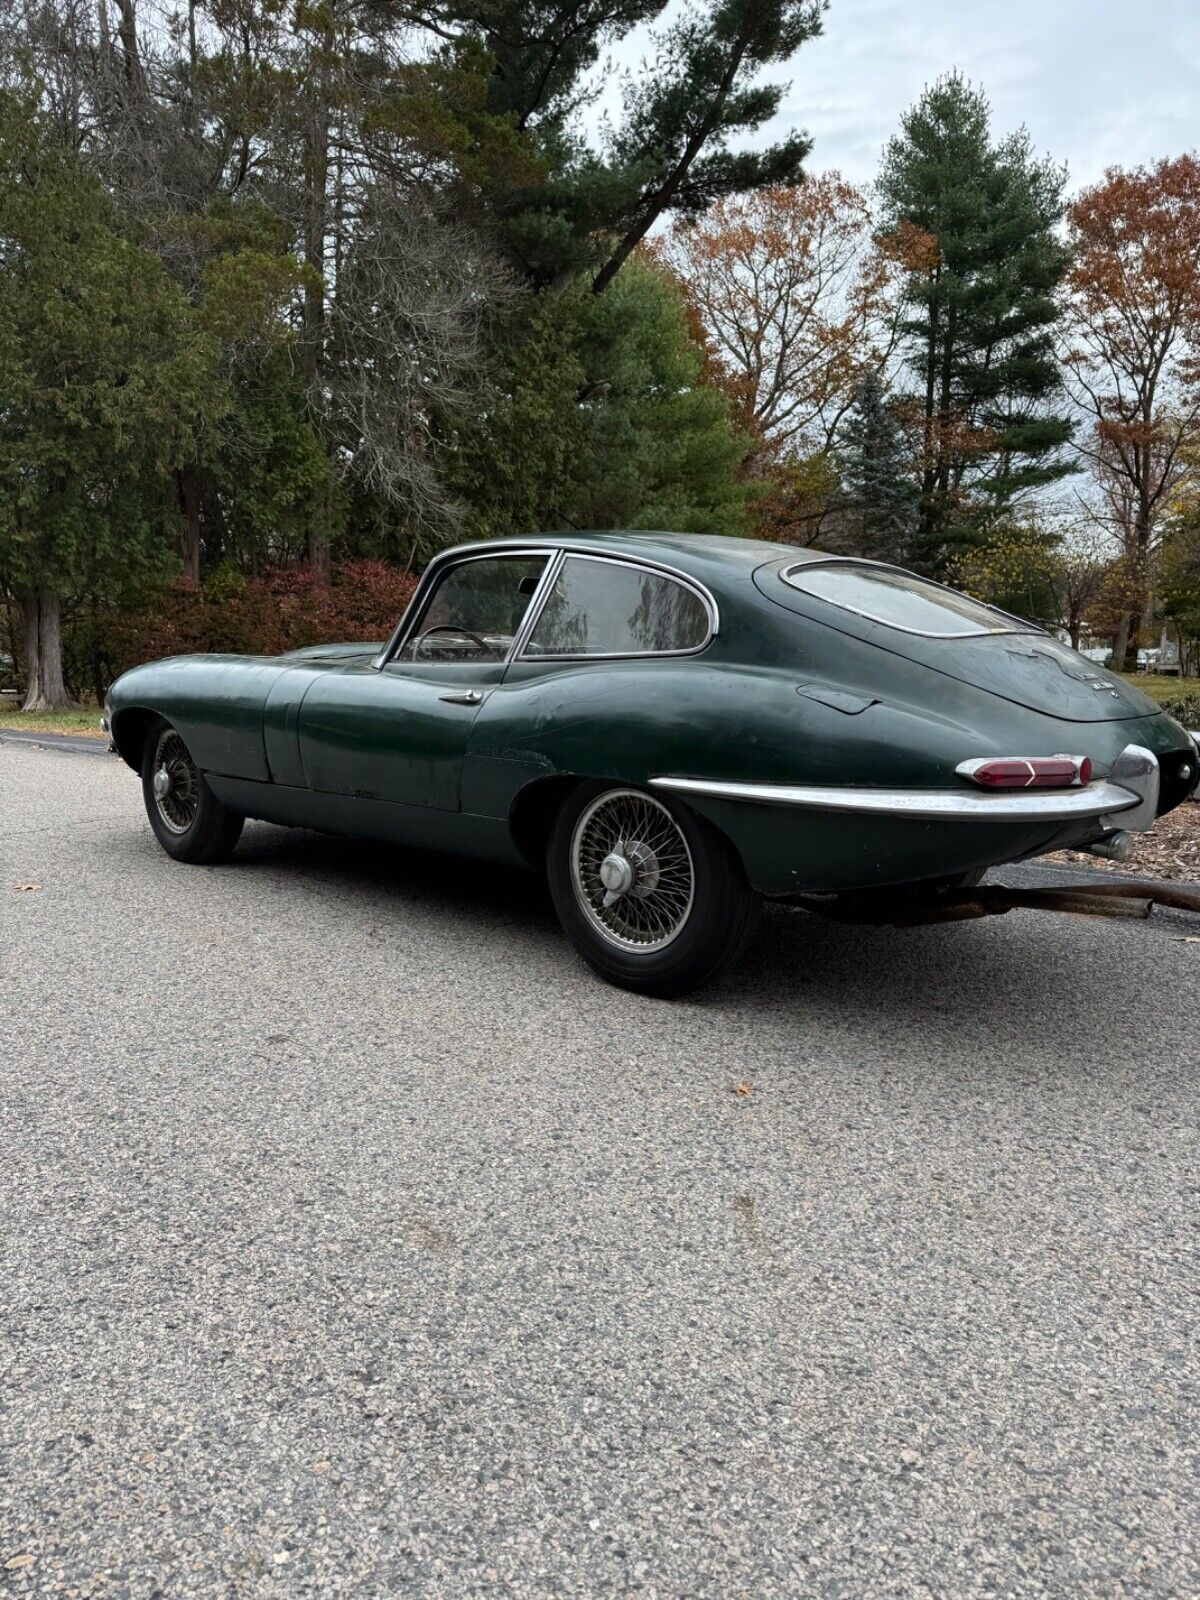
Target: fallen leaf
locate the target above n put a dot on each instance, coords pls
(744, 1087)
(18, 1562)
(320, 1466)
(26, 888)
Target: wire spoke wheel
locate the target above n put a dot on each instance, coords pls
(176, 782)
(632, 871)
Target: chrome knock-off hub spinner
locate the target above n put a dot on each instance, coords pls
(616, 873)
(629, 869)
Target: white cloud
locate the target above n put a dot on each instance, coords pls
(1096, 82)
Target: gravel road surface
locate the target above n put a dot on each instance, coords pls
(354, 1240)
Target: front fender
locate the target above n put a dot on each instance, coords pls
(216, 702)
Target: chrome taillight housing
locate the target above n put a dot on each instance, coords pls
(1027, 772)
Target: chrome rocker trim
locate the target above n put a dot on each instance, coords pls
(1136, 791)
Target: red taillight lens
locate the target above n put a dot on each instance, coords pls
(1028, 772)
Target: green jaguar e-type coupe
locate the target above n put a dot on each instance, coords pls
(671, 726)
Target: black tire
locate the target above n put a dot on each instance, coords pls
(188, 820)
(690, 943)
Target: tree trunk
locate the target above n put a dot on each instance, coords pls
(1120, 650)
(189, 503)
(662, 197)
(96, 659)
(1146, 620)
(316, 217)
(318, 546)
(42, 612)
(318, 537)
(1143, 606)
(932, 336)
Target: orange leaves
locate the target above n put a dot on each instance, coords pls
(1137, 236)
(1135, 286)
(1134, 358)
(911, 249)
(284, 608)
(791, 293)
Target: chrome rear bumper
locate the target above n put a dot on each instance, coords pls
(1130, 792)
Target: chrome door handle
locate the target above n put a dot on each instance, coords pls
(463, 697)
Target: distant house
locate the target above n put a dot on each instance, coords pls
(1168, 661)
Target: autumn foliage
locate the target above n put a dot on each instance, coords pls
(789, 293)
(1134, 292)
(285, 608)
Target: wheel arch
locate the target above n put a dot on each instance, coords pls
(532, 813)
(534, 808)
(130, 728)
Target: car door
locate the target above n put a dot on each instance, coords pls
(399, 730)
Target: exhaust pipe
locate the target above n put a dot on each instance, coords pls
(1115, 846)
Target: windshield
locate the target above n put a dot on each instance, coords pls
(902, 600)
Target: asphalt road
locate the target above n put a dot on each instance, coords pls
(353, 1240)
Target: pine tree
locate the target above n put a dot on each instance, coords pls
(670, 150)
(879, 493)
(974, 224)
(599, 418)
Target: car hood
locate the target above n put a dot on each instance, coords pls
(327, 654)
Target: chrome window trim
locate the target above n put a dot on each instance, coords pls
(529, 621)
(656, 569)
(946, 805)
(445, 564)
(1021, 625)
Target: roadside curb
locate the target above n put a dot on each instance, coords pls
(80, 743)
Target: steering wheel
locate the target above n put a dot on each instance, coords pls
(452, 627)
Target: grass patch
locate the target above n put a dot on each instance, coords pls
(1161, 688)
(84, 721)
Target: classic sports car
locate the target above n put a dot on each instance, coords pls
(671, 726)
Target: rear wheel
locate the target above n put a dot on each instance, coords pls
(653, 898)
(188, 820)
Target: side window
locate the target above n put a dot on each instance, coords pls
(475, 611)
(608, 608)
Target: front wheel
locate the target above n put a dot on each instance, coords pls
(188, 820)
(652, 897)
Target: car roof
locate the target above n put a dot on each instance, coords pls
(709, 557)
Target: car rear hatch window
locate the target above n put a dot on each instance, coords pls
(954, 634)
(901, 600)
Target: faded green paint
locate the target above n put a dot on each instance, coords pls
(790, 691)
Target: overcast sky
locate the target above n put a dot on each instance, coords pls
(1097, 82)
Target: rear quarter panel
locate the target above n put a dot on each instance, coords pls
(712, 717)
